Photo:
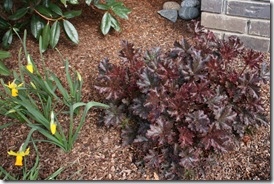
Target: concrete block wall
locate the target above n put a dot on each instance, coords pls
(247, 19)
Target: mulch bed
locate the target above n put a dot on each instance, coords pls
(98, 154)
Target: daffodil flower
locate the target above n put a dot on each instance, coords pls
(19, 156)
(14, 88)
(29, 65)
(52, 123)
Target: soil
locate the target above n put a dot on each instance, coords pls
(97, 153)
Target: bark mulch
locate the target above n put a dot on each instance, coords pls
(98, 154)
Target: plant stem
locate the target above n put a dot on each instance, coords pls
(46, 18)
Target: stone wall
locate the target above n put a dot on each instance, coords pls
(247, 19)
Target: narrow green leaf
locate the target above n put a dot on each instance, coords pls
(54, 34)
(87, 107)
(106, 23)
(72, 14)
(4, 70)
(4, 54)
(19, 14)
(6, 125)
(70, 31)
(7, 39)
(41, 50)
(56, 173)
(36, 25)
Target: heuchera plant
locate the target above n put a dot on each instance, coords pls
(178, 106)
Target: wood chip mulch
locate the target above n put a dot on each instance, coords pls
(98, 154)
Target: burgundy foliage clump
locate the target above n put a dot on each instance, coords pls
(178, 106)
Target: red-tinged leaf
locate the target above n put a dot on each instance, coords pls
(152, 159)
(161, 130)
(248, 84)
(198, 121)
(128, 52)
(190, 157)
(253, 59)
(185, 137)
(224, 117)
(219, 140)
(138, 108)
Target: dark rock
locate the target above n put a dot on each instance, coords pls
(169, 14)
(188, 13)
(190, 3)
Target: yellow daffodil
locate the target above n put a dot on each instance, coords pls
(52, 123)
(13, 87)
(19, 156)
(29, 65)
(30, 68)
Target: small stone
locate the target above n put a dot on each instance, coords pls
(188, 13)
(190, 3)
(170, 5)
(171, 15)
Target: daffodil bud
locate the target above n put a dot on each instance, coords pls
(29, 65)
(52, 123)
(79, 76)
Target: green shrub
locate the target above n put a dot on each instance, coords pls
(46, 18)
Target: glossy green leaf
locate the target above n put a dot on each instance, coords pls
(73, 2)
(115, 24)
(45, 38)
(106, 23)
(36, 25)
(88, 2)
(4, 24)
(70, 31)
(18, 14)
(7, 39)
(72, 14)
(8, 5)
(121, 11)
(54, 34)
(56, 9)
(44, 2)
(110, 2)
(102, 6)
(44, 11)
(64, 2)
